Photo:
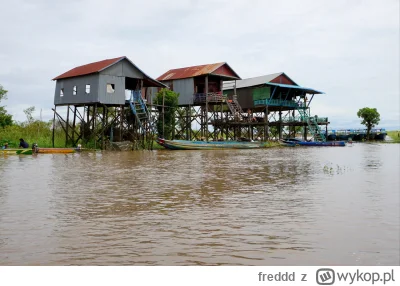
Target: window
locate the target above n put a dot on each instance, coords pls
(74, 90)
(61, 92)
(87, 88)
(110, 88)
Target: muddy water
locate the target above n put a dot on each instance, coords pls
(292, 206)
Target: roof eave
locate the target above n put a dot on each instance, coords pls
(61, 77)
(145, 75)
(238, 77)
(306, 89)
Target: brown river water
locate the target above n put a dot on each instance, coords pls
(279, 206)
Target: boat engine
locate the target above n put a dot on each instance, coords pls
(35, 148)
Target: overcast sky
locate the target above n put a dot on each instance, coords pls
(348, 49)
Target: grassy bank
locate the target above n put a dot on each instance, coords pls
(41, 133)
(394, 135)
(36, 132)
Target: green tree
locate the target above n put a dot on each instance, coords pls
(5, 118)
(370, 118)
(28, 112)
(166, 127)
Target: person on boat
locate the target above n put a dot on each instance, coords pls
(5, 146)
(23, 144)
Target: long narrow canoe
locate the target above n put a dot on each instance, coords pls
(56, 150)
(13, 151)
(204, 145)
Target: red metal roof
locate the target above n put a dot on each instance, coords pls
(199, 70)
(89, 68)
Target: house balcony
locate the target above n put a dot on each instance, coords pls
(211, 97)
(298, 118)
(279, 102)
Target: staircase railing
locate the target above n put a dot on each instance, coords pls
(141, 112)
(312, 124)
(209, 97)
(235, 108)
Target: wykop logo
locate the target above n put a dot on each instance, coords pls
(325, 276)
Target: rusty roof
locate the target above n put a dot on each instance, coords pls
(102, 65)
(89, 68)
(194, 71)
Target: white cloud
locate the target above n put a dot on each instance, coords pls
(348, 49)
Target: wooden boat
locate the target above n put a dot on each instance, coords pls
(13, 151)
(287, 143)
(297, 142)
(210, 145)
(55, 150)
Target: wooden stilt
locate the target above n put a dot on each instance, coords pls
(73, 127)
(83, 124)
(280, 124)
(66, 128)
(94, 125)
(206, 113)
(103, 124)
(54, 124)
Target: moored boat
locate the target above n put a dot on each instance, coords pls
(296, 142)
(287, 143)
(36, 150)
(55, 150)
(14, 151)
(208, 145)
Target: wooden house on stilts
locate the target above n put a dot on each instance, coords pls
(105, 102)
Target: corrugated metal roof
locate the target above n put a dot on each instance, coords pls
(192, 71)
(306, 89)
(254, 81)
(89, 68)
(101, 65)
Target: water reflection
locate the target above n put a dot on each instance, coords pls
(242, 207)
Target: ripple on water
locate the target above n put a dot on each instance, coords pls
(236, 207)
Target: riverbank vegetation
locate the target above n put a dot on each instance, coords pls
(166, 120)
(394, 135)
(39, 132)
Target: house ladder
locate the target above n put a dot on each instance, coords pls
(142, 113)
(235, 108)
(312, 124)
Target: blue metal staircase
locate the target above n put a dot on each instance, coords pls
(143, 116)
(312, 124)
